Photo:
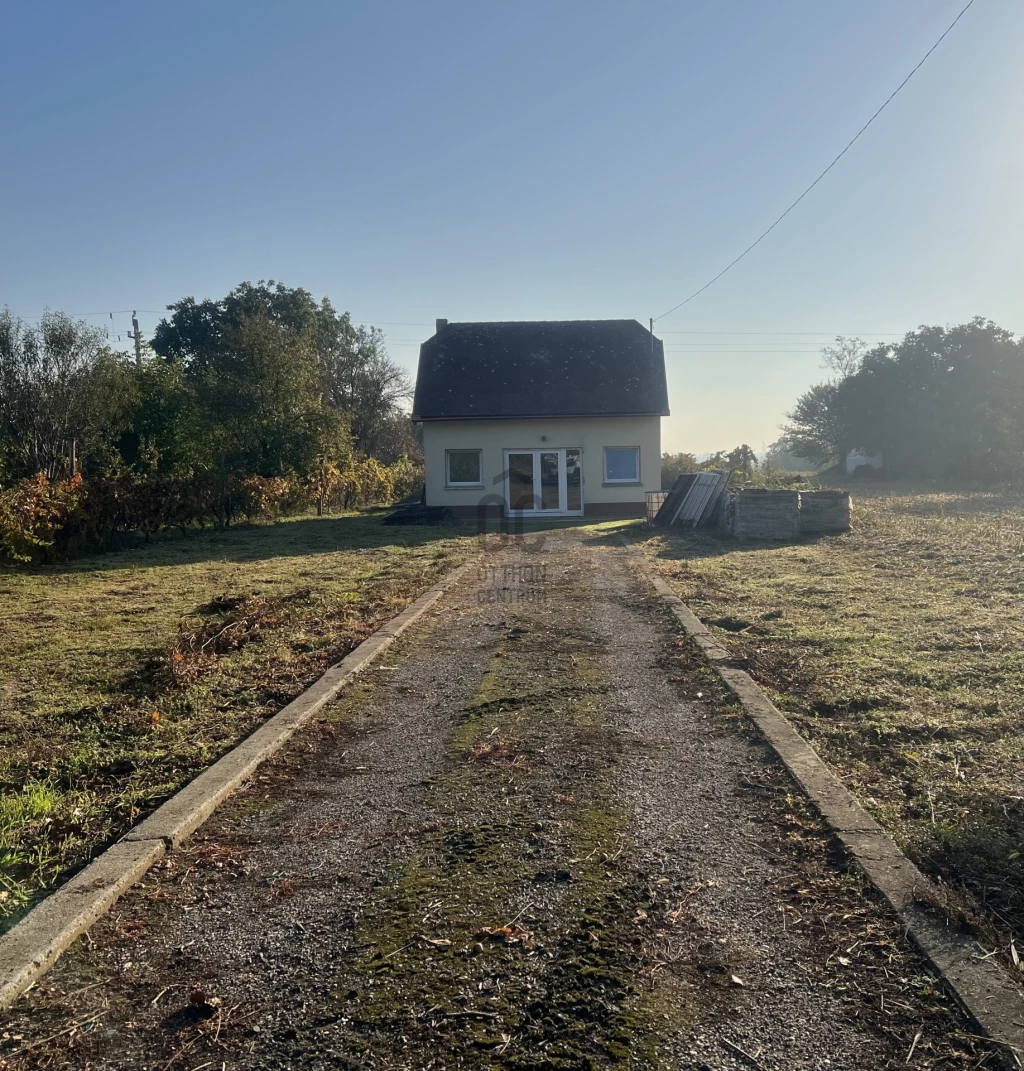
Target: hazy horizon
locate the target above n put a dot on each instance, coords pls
(544, 162)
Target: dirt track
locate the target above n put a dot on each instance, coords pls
(536, 836)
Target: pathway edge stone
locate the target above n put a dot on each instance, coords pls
(982, 987)
(29, 949)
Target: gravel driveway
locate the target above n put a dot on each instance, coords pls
(537, 836)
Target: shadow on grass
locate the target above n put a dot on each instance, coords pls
(984, 858)
(680, 545)
(304, 536)
(868, 677)
(287, 538)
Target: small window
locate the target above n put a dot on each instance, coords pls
(463, 468)
(622, 464)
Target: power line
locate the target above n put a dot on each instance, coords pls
(726, 353)
(849, 144)
(711, 348)
(114, 312)
(831, 335)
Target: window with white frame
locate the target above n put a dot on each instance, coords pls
(622, 464)
(462, 468)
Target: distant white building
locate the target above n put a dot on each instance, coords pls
(855, 459)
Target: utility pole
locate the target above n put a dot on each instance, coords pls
(651, 322)
(135, 334)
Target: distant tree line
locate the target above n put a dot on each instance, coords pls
(942, 403)
(741, 461)
(263, 402)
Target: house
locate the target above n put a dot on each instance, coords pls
(541, 419)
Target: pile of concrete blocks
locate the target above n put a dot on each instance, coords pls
(786, 515)
(824, 512)
(764, 515)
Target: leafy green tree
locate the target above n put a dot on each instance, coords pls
(64, 395)
(261, 387)
(355, 378)
(743, 460)
(943, 402)
(168, 431)
(359, 378)
(816, 429)
(674, 465)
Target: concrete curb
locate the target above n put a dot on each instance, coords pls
(985, 991)
(29, 949)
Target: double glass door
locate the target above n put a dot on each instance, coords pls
(544, 481)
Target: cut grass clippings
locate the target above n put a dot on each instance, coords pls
(898, 650)
(123, 676)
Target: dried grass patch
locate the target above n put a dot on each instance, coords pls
(499, 751)
(898, 650)
(124, 676)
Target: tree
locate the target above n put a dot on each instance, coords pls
(780, 455)
(674, 465)
(844, 358)
(815, 429)
(398, 437)
(943, 402)
(360, 378)
(261, 388)
(63, 394)
(355, 378)
(168, 429)
(743, 460)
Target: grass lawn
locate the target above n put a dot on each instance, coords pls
(123, 676)
(898, 650)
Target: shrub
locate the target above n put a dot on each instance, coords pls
(376, 483)
(324, 484)
(33, 511)
(406, 478)
(260, 496)
(77, 515)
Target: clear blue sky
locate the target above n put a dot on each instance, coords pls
(527, 160)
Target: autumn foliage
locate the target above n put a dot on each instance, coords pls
(33, 511)
(42, 518)
(262, 404)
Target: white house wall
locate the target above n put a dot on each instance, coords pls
(493, 437)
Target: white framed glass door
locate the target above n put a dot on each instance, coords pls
(544, 482)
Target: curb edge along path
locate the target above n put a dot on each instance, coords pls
(982, 987)
(31, 948)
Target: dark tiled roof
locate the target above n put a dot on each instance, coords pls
(540, 368)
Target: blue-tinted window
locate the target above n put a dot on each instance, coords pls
(622, 463)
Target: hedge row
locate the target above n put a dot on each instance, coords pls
(44, 519)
